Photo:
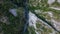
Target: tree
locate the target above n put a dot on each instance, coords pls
(16, 25)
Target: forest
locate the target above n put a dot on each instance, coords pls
(29, 17)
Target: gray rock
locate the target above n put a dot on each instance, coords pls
(13, 11)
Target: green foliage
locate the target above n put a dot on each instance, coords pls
(16, 23)
(31, 30)
(38, 25)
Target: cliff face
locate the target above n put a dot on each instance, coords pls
(44, 16)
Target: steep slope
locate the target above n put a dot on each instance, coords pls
(48, 12)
